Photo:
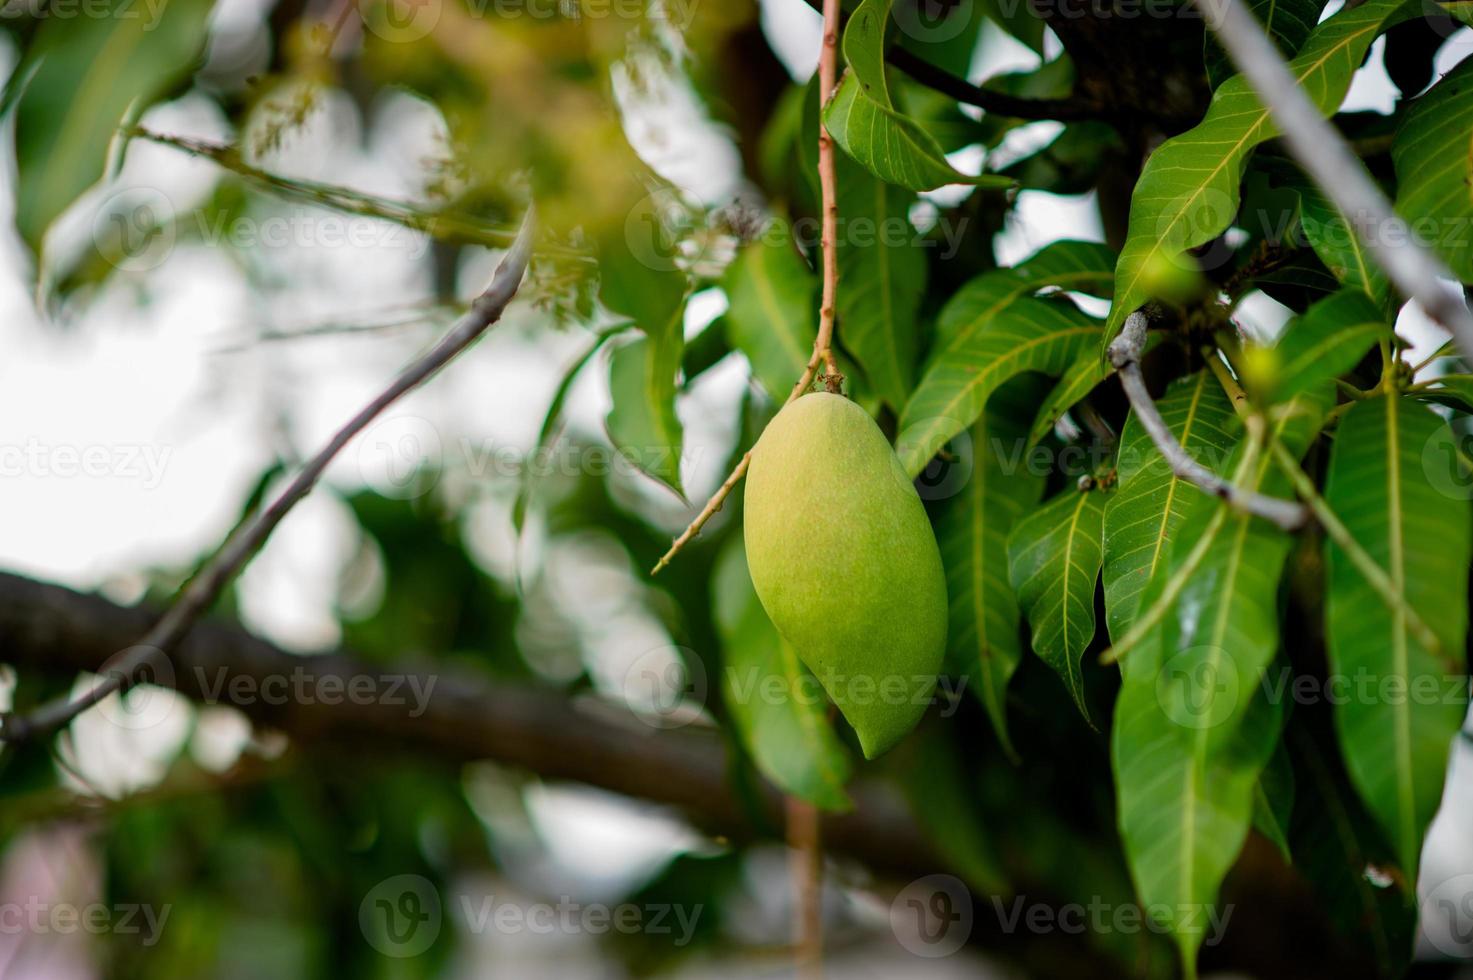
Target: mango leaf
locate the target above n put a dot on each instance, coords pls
(1288, 22)
(1082, 377)
(1086, 267)
(1189, 193)
(1453, 390)
(1433, 157)
(1273, 800)
(642, 423)
(773, 316)
(937, 787)
(1334, 842)
(1328, 340)
(1193, 726)
(1053, 565)
(1029, 335)
(88, 73)
(1338, 246)
(984, 639)
(1396, 747)
(1150, 502)
(862, 118)
(778, 706)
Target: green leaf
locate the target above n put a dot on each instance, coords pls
(882, 277)
(773, 316)
(642, 423)
(1053, 565)
(1273, 800)
(1189, 191)
(1396, 747)
(1338, 246)
(1082, 377)
(1433, 157)
(1029, 335)
(1150, 501)
(862, 118)
(984, 642)
(938, 789)
(778, 706)
(1288, 22)
(1328, 340)
(1453, 390)
(1335, 841)
(88, 72)
(1193, 727)
(1086, 267)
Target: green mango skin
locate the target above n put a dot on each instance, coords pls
(844, 560)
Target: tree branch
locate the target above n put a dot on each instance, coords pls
(462, 718)
(1322, 151)
(205, 587)
(1125, 352)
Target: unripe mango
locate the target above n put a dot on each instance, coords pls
(843, 558)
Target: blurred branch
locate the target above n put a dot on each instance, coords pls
(446, 226)
(806, 860)
(205, 587)
(988, 100)
(461, 718)
(1125, 353)
(1322, 151)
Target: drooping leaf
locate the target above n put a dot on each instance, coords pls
(1337, 244)
(1042, 335)
(1336, 843)
(1086, 267)
(1189, 191)
(1328, 340)
(1433, 156)
(773, 316)
(642, 422)
(651, 292)
(1150, 501)
(1053, 565)
(87, 73)
(1288, 22)
(1082, 377)
(1273, 800)
(863, 120)
(1396, 746)
(984, 640)
(778, 706)
(1453, 390)
(1193, 726)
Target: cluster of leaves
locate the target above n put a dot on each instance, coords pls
(1145, 779)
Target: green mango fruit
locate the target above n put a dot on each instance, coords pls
(843, 558)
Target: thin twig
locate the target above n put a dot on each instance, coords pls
(1373, 573)
(823, 343)
(447, 226)
(205, 587)
(1321, 150)
(1125, 352)
(986, 99)
(806, 865)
